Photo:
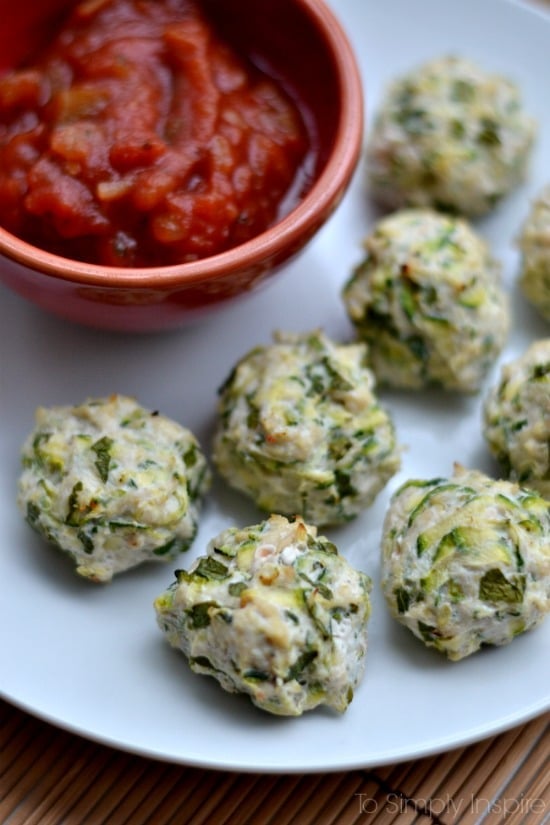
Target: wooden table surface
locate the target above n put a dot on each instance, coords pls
(49, 776)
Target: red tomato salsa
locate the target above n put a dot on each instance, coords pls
(139, 138)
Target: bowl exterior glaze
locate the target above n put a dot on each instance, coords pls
(300, 41)
(138, 303)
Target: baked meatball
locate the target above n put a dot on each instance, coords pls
(275, 612)
(516, 418)
(534, 243)
(300, 429)
(449, 135)
(112, 484)
(428, 300)
(466, 561)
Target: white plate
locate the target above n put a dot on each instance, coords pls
(91, 659)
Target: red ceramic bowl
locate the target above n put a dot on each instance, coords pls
(300, 40)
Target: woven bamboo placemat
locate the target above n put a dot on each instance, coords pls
(50, 777)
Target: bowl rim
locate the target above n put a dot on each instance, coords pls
(321, 199)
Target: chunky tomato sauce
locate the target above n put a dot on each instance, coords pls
(139, 138)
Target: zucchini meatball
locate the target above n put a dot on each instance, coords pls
(466, 561)
(449, 135)
(428, 301)
(275, 612)
(301, 432)
(534, 243)
(112, 484)
(516, 418)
